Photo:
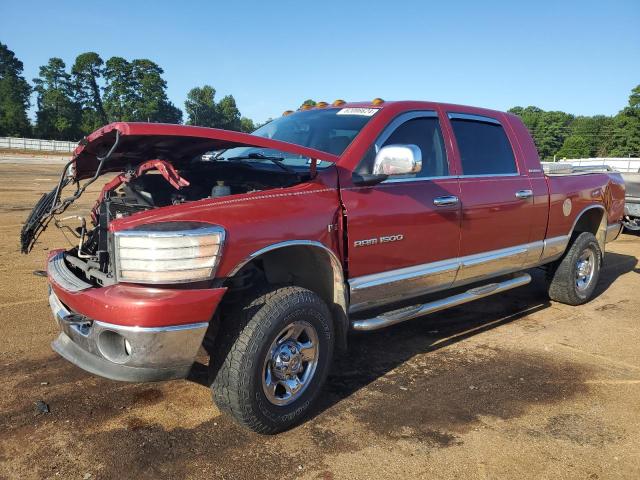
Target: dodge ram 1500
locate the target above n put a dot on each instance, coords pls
(349, 216)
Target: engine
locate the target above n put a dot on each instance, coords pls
(156, 184)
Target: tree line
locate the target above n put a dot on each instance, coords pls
(562, 135)
(72, 103)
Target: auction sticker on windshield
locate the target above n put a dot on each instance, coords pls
(367, 112)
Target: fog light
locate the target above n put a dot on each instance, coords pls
(114, 347)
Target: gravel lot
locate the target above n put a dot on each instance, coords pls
(513, 386)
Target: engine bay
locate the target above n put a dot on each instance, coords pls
(155, 184)
(154, 188)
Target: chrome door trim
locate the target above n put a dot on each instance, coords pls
(418, 179)
(478, 258)
(488, 175)
(479, 266)
(377, 289)
(450, 177)
(554, 247)
(400, 274)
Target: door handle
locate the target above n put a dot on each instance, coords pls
(446, 201)
(524, 194)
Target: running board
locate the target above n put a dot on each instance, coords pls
(403, 314)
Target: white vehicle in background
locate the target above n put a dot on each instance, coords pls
(630, 170)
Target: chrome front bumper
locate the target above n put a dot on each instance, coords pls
(134, 354)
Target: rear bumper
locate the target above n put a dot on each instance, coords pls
(133, 354)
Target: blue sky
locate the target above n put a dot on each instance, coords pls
(582, 57)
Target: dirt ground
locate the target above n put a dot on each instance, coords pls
(513, 386)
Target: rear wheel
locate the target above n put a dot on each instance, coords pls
(269, 366)
(574, 277)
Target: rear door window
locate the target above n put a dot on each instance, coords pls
(483, 145)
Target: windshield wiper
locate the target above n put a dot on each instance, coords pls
(260, 156)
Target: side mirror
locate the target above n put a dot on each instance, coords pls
(398, 160)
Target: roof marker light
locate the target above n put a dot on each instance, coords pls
(306, 106)
(377, 101)
(287, 112)
(338, 103)
(322, 104)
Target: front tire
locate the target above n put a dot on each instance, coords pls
(573, 278)
(271, 361)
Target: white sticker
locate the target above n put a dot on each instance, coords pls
(366, 112)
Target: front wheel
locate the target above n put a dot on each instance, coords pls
(574, 277)
(272, 359)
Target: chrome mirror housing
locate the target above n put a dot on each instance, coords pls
(398, 160)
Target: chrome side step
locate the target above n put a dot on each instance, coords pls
(403, 314)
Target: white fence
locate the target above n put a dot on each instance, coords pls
(620, 164)
(37, 144)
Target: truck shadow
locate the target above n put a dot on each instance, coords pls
(615, 265)
(372, 355)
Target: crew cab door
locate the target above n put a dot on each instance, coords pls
(497, 201)
(403, 233)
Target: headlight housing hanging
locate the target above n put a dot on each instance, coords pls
(169, 252)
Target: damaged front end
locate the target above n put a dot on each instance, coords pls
(51, 205)
(158, 166)
(134, 303)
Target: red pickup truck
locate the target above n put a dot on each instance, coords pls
(349, 216)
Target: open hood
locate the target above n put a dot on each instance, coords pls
(119, 146)
(139, 142)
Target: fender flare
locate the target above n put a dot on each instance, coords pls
(601, 232)
(339, 288)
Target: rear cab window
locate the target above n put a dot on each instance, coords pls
(483, 144)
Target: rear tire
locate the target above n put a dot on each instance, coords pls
(574, 277)
(272, 358)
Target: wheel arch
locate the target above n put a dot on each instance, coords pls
(592, 219)
(308, 264)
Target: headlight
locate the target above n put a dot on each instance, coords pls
(173, 252)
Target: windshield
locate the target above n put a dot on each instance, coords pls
(330, 130)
